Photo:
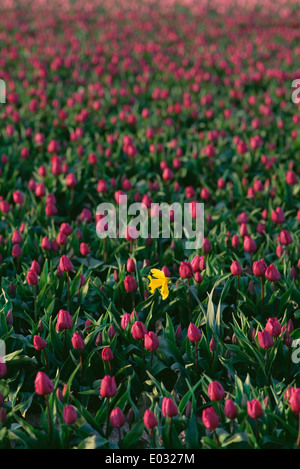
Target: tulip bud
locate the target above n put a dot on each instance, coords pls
(259, 268)
(151, 341)
(294, 401)
(39, 343)
(98, 341)
(150, 421)
(236, 268)
(194, 333)
(69, 414)
(230, 409)
(64, 321)
(43, 385)
(215, 391)
(273, 327)
(32, 277)
(111, 332)
(107, 354)
(138, 330)
(77, 341)
(130, 284)
(212, 345)
(65, 264)
(254, 409)
(178, 333)
(210, 418)
(265, 339)
(169, 408)
(9, 318)
(108, 387)
(117, 418)
(130, 266)
(186, 270)
(272, 274)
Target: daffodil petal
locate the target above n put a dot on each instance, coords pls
(164, 291)
(158, 273)
(154, 283)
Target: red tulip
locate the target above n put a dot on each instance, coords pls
(65, 264)
(108, 387)
(43, 385)
(64, 320)
(130, 284)
(265, 339)
(272, 273)
(39, 343)
(151, 341)
(254, 409)
(215, 391)
(210, 418)
(117, 418)
(77, 341)
(169, 408)
(230, 409)
(69, 414)
(194, 333)
(273, 327)
(150, 421)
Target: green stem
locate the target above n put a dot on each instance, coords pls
(49, 418)
(107, 418)
(298, 438)
(261, 291)
(68, 282)
(34, 302)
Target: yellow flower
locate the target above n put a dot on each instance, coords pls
(159, 281)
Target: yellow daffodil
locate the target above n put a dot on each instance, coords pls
(159, 281)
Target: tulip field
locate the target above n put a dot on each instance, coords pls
(140, 342)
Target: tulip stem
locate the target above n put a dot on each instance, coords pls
(81, 365)
(107, 417)
(151, 360)
(238, 287)
(220, 412)
(298, 438)
(45, 358)
(34, 302)
(232, 426)
(275, 302)
(133, 301)
(257, 429)
(68, 282)
(105, 252)
(152, 433)
(190, 315)
(267, 367)
(49, 418)
(170, 433)
(262, 291)
(196, 352)
(217, 439)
